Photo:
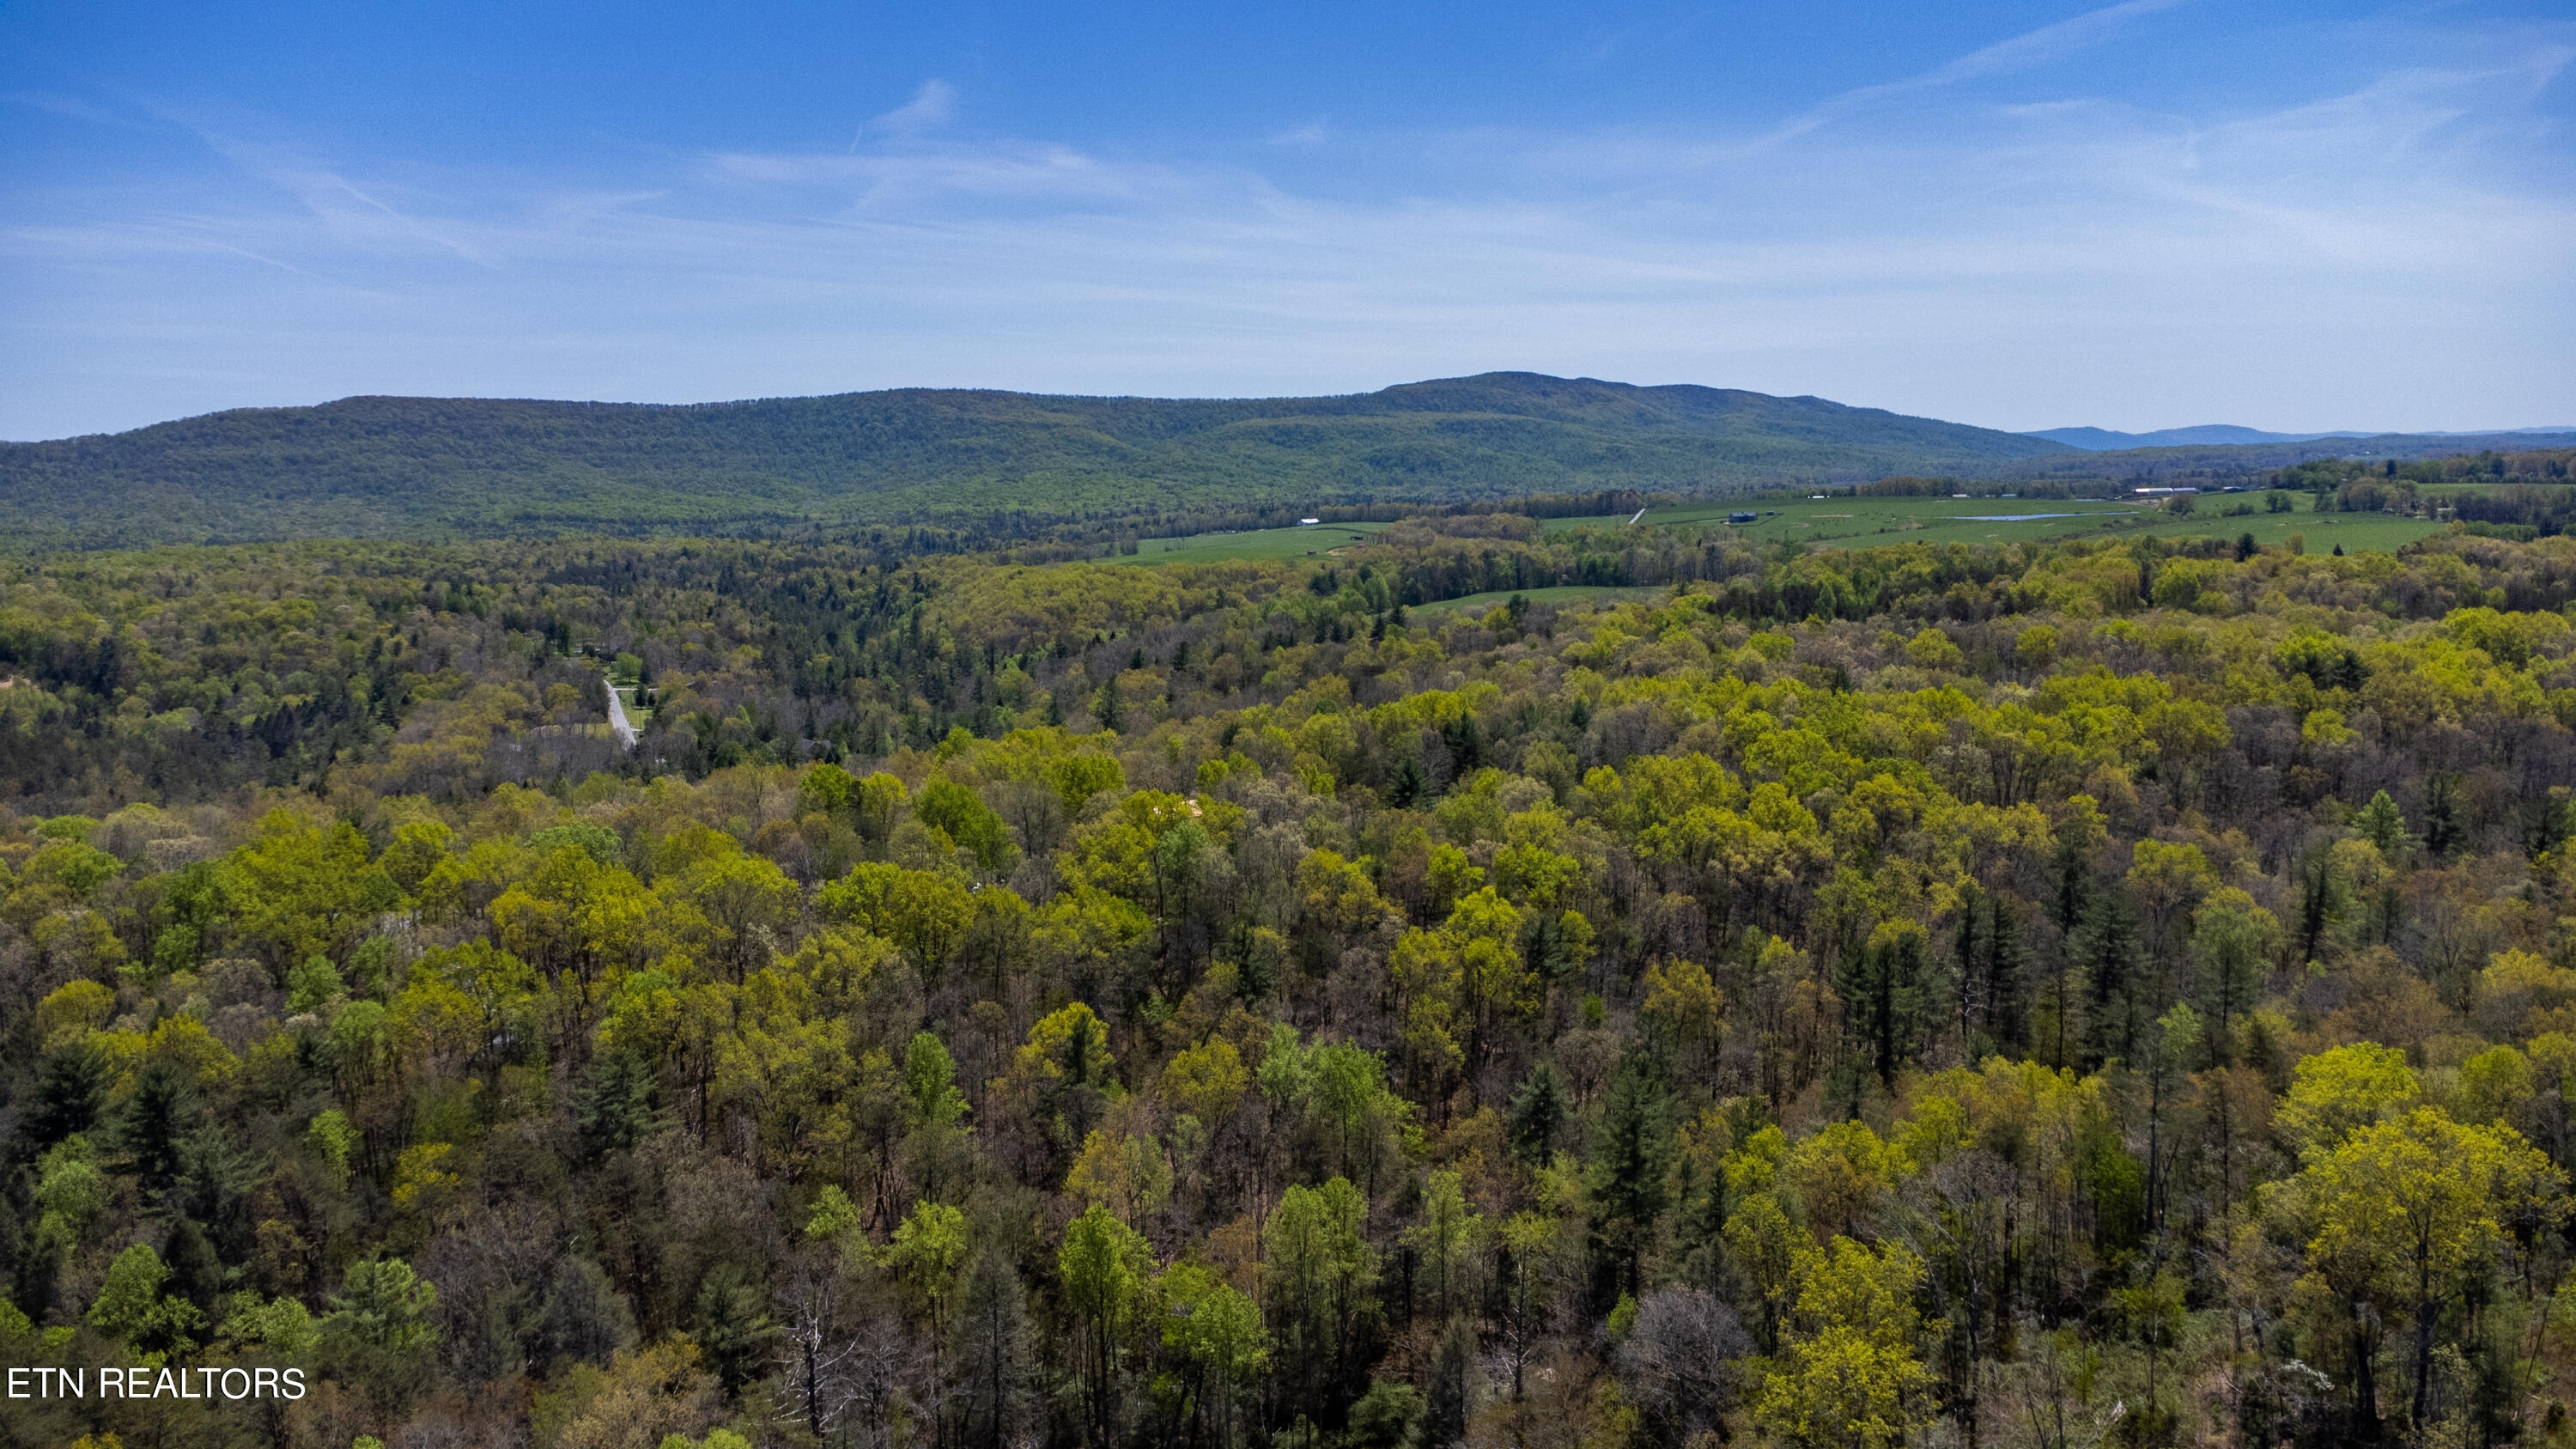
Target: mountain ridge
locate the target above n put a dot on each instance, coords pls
(2106, 440)
(392, 466)
(989, 463)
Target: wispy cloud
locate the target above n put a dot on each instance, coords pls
(932, 105)
(2027, 51)
(1913, 246)
(1600, 46)
(941, 174)
(76, 108)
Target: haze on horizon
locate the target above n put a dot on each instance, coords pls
(2295, 217)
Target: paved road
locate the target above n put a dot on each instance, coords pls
(617, 718)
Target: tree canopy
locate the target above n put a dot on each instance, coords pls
(2105, 992)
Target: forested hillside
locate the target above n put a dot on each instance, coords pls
(2237, 465)
(431, 467)
(981, 469)
(2052, 996)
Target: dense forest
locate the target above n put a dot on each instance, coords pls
(2118, 992)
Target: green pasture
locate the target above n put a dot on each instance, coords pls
(1260, 543)
(1851, 522)
(1677, 515)
(2357, 532)
(1864, 522)
(1867, 522)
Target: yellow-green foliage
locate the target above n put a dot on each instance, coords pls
(1833, 996)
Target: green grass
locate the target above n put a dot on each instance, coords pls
(2357, 532)
(1861, 522)
(1866, 522)
(1677, 515)
(1259, 543)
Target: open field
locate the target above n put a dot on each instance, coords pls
(1865, 522)
(2357, 532)
(1861, 522)
(1259, 543)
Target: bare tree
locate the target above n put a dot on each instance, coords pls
(821, 1360)
(1679, 1361)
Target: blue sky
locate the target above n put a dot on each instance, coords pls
(2162, 212)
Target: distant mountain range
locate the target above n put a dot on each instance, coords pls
(1010, 463)
(388, 466)
(2103, 440)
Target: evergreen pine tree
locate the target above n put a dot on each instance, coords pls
(1538, 1111)
(731, 1329)
(992, 1355)
(1699, 1227)
(2004, 968)
(39, 1262)
(2382, 825)
(616, 1105)
(1453, 1363)
(1883, 988)
(1968, 963)
(71, 1090)
(2444, 832)
(1466, 744)
(196, 1273)
(1405, 785)
(156, 1118)
(2074, 885)
(2114, 962)
(1630, 1153)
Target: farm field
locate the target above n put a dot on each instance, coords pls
(1866, 521)
(2357, 532)
(1259, 543)
(1676, 515)
(1862, 522)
